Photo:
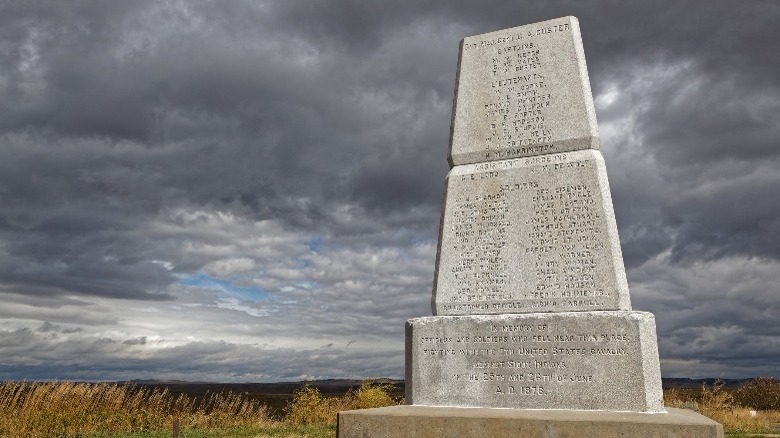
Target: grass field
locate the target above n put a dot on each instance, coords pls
(752, 409)
(102, 410)
(269, 431)
(110, 410)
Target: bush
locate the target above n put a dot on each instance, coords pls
(371, 395)
(762, 393)
(310, 406)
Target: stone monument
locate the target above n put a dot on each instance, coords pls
(530, 300)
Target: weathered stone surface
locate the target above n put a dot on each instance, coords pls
(522, 91)
(439, 422)
(534, 234)
(573, 360)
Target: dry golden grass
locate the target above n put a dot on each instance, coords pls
(70, 409)
(719, 404)
(310, 406)
(64, 409)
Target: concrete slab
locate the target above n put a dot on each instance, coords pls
(439, 422)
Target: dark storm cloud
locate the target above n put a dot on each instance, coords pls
(703, 87)
(117, 113)
(299, 148)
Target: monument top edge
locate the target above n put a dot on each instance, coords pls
(635, 315)
(560, 20)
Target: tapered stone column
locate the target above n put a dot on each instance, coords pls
(532, 329)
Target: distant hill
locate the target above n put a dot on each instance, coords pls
(340, 386)
(674, 382)
(277, 395)
(274, 395)
(328, 386)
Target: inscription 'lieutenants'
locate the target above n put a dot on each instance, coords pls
(519, 80)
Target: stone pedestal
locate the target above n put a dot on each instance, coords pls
(574, 360)
(444, 422)
(533, 334)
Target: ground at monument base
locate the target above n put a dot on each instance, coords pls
(439, 422)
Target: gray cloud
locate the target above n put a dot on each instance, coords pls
(241, 184)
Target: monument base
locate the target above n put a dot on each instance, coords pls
(434, 422)
(598, 361)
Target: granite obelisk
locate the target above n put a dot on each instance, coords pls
(531, 307)
(530, 298)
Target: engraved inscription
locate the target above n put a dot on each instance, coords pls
(516, 113)
(521, 99)
(529, 361)
(521, 93)
(517, 359)
(527, 235)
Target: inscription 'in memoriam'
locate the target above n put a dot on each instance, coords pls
(527, 235)
(521, 92)
(552, 361)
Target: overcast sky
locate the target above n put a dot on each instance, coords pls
(250, 191)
